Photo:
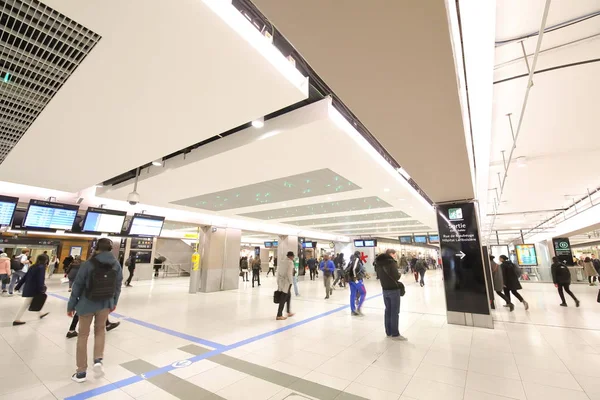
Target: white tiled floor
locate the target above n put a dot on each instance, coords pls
(548, 353)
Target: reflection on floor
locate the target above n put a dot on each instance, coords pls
(227, 345)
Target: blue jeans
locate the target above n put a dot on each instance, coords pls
(391, 298)
(15, 278)
(357, 287)
(2, 278)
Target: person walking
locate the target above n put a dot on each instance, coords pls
(256, 267)
(328, 268)
(130, 263)
(421, 268)
(358, 292)
(389, 278)
(413, 268)
(339, 270)
(52, 266)
(498, 282)
(596, 263)
(34, 281)
(561, 276)
(312, 266)
(95, 294)
(67, 261)
(20, 267)
(510, 276)
(271, 266)
(295, 277)
(5, 271)
(244, 269)
(285, 274)
(590, 271)
(72, 270)
(404, 263)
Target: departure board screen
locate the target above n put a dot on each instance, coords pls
(102, 220)
(49, 215)
(8, 205)
(146, 225)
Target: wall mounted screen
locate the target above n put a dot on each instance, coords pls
(101, 220)
(526, 255)
(371, 243)
(405, 239)
(421, 239)
(145, 225)
(8, 205)
(434, 239)
(359, 243)
(49, 215)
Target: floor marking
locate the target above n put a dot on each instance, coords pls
(163, 370)
(148, 325)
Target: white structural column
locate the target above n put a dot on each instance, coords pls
(287, 243)
(220, 259)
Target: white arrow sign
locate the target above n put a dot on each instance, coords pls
(461, 255)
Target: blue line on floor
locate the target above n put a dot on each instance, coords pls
(163, 370)
(148, 325)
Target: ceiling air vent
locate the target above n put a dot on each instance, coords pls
(39, 49)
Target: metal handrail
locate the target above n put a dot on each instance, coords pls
(179, 271)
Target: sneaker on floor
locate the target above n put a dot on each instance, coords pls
(399, 338)
(511, 307)
(577, 302)
(281, 318)
(43, 315)
(526, 304)
(355, 314)
(98, 367)
(16, 323)
(79, 377)
(291, 315)
(563, 304)
(359, 311)
(112, 326)
(71, 334)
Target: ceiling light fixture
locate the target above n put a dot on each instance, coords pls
(401, 199)
(386, 189)
(157, 163)
(258, 123)
(521, 162)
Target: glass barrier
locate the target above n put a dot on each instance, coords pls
(544, 274)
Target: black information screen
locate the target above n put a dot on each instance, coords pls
(405, 239)
(562, 249)
(462, 259)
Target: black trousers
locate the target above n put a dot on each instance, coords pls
(507, 292)
(285, 300)
(565, 288)
(255, 276)
(271, 269)
(591, 279)
(312, 274)
(245, 276)
(75, 321)
(130, 276)
(503, 297)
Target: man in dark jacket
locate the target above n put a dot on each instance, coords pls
(34, 281)
(131, 268)
(312, 267)
(510, 275)
(389, 278)
(561, 276)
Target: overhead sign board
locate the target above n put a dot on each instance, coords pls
(562, 250)
(462, 260)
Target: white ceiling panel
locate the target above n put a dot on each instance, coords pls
(164, 76)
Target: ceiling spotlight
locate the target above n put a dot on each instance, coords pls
(521, 162)
(386, 189)
(401, 199)
(157, 163)
(258, 123)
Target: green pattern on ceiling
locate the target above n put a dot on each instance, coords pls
(370, 225)
(310, 184)
(349, 218)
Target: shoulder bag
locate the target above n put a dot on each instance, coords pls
(400, 285)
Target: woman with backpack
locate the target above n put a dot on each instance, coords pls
(510, 276)
(256, 266)
(561, 276)
(244, 268)
(34, 281)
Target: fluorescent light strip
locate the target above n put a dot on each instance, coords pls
(240, 24)
(345, 126)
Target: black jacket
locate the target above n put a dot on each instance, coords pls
(388, 271)
(509, 275)
(33, 281)
(560, 274)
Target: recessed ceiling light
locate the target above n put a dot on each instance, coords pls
(521, 162)
(386, 189)
(401, 199)
(157, 163)
(258, 123)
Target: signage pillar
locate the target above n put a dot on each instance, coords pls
(196, 259)
(562, 250)
(462, 261)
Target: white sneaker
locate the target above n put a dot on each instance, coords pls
(399, 338)
(98, 368)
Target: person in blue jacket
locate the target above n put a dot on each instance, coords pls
(34, 281)
(328, 268)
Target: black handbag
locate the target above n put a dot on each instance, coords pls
(38, 301)
(400, 285)
(277, 296)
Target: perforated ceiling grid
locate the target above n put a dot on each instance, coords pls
(39, 50)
